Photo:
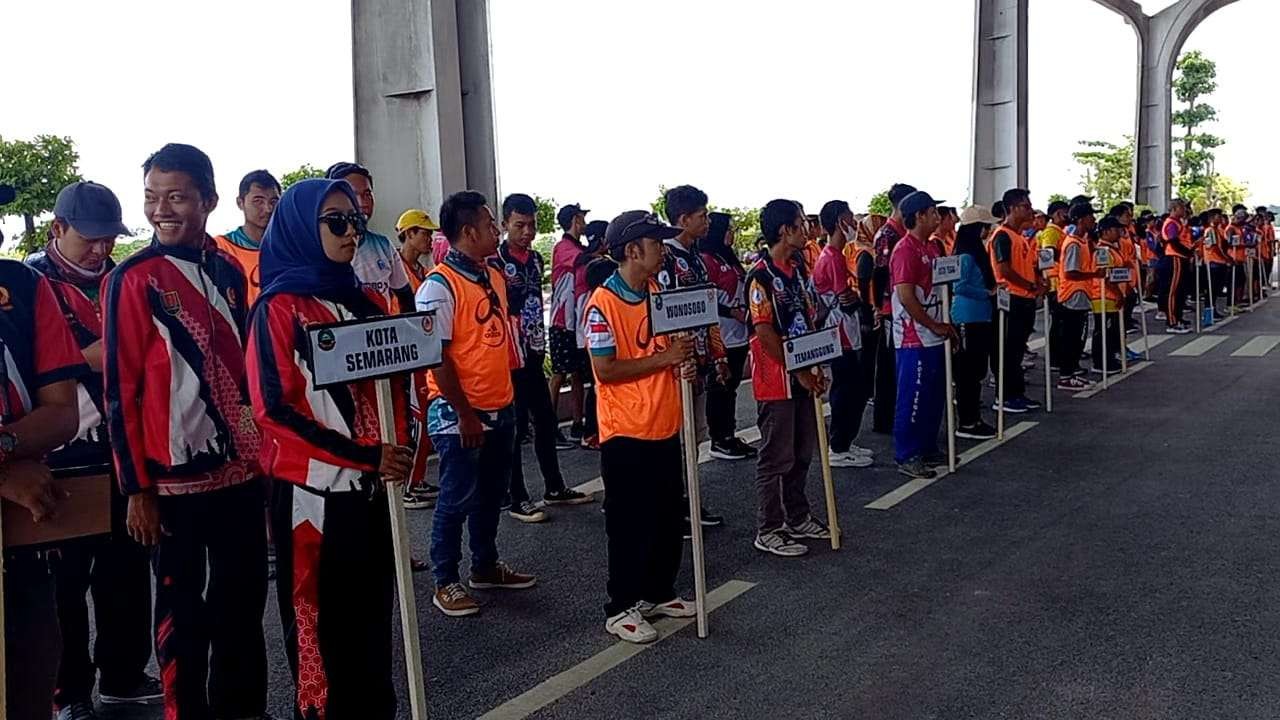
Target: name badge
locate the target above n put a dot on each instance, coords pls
(946, 269)
(815, 348)
(1120, 275)
(1045, 259)
(1002, 299)
(1104, 257)
(352, 350)
(684, 309)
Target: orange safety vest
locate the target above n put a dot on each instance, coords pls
(646, 408)
(853, 253)
(1067, 287)
(1022, 260)
(1267, 251)
(1115, 292)
(1235, 243)
(1184, 237)
(1213, 252)
(248, 260)
(481, 349)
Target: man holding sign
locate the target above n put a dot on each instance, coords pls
(639, 414)
(783, 304)
(323, 449)
(919, 332)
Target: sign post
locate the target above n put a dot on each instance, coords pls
(1142, 313)
(946, 270)
(1002, 304)
(1121, 276)
(1196, 262)
(377, 349)
(671, 312)
(809, 352)
(1250, 254)
(1213, 296)
(1046, 262)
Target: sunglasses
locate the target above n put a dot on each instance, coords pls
(338, 223)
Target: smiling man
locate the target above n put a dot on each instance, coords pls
(185, 444)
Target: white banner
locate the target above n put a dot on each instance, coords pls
(379, 347)
(684, 309)
(816, 348)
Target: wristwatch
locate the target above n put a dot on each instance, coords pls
(8, 445)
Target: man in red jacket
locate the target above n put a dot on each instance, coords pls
(186, 446)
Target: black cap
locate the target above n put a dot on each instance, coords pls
(898, 192)
(7, 194)
(595, 235)
(340, 170)
(91, 209)
(565, 216)
(1057, 205)
(1079, 210)
(1110, 222)
(635, 224)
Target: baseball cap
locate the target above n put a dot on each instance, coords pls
(7, 194)
(1080, 210)
(635, 224)
(1057, 205)
(566, 213)
(595, 235)
(91, 209)
(415, 219)
(916, 202)
(977, 214)
(1110, 222)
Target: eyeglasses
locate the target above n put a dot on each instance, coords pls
(339, 222)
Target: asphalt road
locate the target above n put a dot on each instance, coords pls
(1114, 560)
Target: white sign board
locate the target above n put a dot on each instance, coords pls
(380, 347)
(1103, 257)
(1044, 259)
(1251, 252)
(1002, 299)
(946, 269)
(816, 348)
(684, 309)
(1120, 275)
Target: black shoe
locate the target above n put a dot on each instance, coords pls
(708, 519)
(937, 460)
(978, 431)
(148, 691)
(1031, 404)
(563, 443)
(76, 711)
(726, 450)
(916, 469)
(567, 497)
(576, 431)
(744, 447)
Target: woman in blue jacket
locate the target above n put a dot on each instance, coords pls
(971, 310)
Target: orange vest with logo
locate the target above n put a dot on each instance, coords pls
(1184, 237)
(1022, 260)
(1115, 291)
(1213, 252)
(248, 260)
(481, 348)
(1067, 287)
(1235, 243)
(645, 408)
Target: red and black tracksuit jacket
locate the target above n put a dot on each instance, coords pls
(174, 374)
(36, 346)
(329, 513)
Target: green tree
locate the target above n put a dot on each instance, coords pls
(1195, 78)
(1057, 197)
(546, 217)
(303, 172)
(880, 204)
(1108, 170)
(1220, 191)
(37, 169)
(659, 205)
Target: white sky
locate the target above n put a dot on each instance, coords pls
(749, 100)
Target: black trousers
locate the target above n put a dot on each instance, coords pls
(335, 586)
(534, 398)
(1175, 287)
(1055, 333)
(116, 570)
(31, 636)
(1113, 341)
(886, 370)
(1021, 318)
(643, 518)
(848, 399)
(1071, 326)
(722, 400)
(211, 590)
(971, 369)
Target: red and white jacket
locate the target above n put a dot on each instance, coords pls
(325, 440)
(173, 371)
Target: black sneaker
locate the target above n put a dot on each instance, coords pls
(937, 460)
(526, 512)
(916, 470)
(563, 443)
(576, 431)
(1031, 404)
(148, 691)
(726, 450)
(977, 431)
(744, 447)
(567, 497)
(708, 519)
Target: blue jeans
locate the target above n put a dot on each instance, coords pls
(921, 397)
(473, 483)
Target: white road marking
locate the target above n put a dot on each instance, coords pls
(903, 492)
(1199, 346)
(557, 686)
(1152, 342)
(1134, 369)
(1258, 347)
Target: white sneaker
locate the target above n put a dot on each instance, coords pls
(859, 450)
(779, 543)
(677, 608)
(811, 529)
(848, 460)
(631, 626)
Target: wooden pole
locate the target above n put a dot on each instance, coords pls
(828, 485)
(404, 573)
(689, 436)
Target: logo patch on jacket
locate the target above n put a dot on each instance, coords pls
(5, 300)
(171, 302)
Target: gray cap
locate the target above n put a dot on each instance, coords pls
(91, 209)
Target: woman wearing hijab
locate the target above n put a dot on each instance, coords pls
(971, 309)
(323, 450)
(725, 271)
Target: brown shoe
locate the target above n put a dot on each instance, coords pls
(453, 600)
(501, 577)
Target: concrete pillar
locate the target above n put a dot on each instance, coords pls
(999, 99)
(1160, 41)
(423, 101)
